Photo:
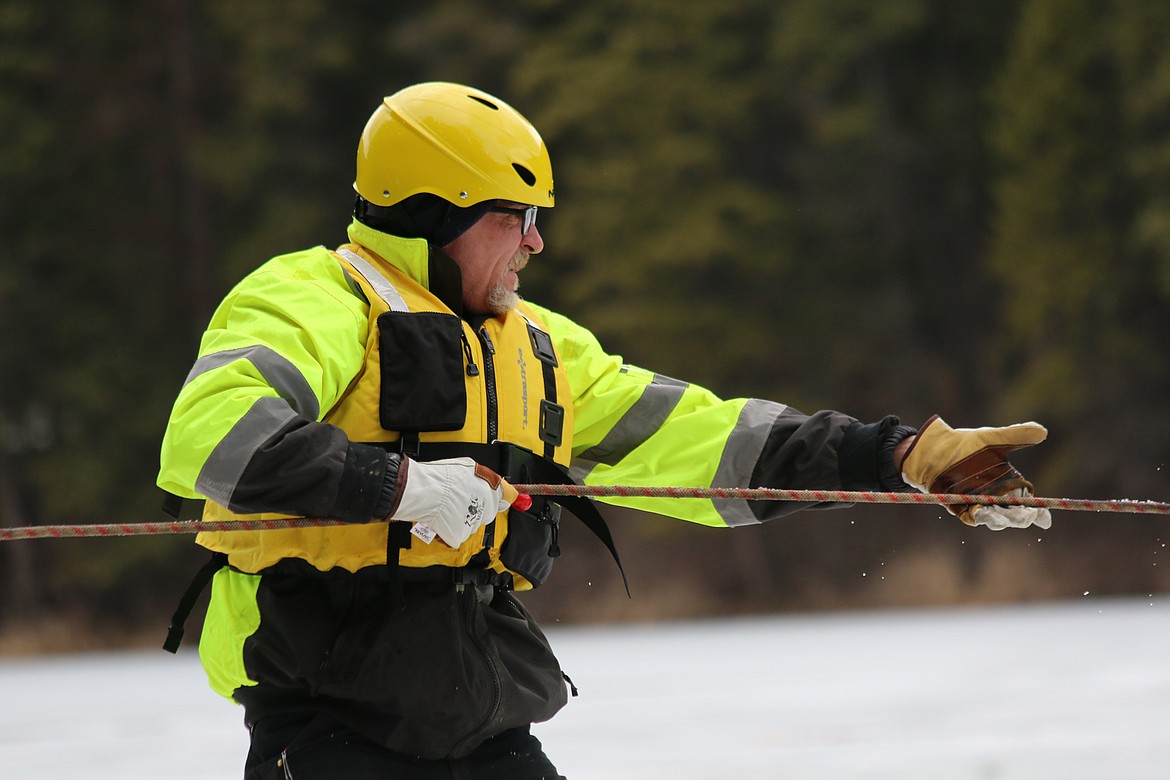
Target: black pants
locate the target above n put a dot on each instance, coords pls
(319, 748)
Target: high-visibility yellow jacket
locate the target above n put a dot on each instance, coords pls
(303, 382)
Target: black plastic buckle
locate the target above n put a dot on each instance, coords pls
(552, 422)
(542, 345)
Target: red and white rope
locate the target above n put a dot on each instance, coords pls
(604, 491)
(849, 497)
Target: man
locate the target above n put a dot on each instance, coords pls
(400, 384)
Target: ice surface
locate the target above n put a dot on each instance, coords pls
(1075, 691)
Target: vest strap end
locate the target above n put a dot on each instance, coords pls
(174, 639)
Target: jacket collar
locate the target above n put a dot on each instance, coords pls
(430, 266)
(408, 255)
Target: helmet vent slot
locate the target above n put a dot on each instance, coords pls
(528, 176)
(487, 103)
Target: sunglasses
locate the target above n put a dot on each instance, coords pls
(529, 212)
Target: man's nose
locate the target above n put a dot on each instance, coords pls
(533, 242)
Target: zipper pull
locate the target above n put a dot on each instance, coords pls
(472, 368)
(554, 547)
(548, 515)
(487, 341)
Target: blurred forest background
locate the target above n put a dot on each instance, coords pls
(906, 206)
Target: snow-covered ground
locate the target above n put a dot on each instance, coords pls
(1067, 691)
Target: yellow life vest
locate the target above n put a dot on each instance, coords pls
(428, 377)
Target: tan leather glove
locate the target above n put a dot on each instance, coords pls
(943, 459)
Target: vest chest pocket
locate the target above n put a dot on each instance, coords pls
(422, 372)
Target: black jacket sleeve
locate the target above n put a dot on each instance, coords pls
(827, 451)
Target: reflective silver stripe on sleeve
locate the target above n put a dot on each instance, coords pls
(740, 455)
(639, 423)
(381, 284)
(277, 370)
(221, 473)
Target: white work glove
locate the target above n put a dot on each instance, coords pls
(943, 459)
(451, 498)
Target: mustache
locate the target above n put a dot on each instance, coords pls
(518, 261)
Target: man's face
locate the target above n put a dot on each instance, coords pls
(490, 254)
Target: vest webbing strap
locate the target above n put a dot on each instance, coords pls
(187, 602)
(397, 539)
(552, 414)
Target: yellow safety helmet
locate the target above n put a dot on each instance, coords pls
(456, 142)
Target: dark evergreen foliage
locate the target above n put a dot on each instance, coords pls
(905, 206)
